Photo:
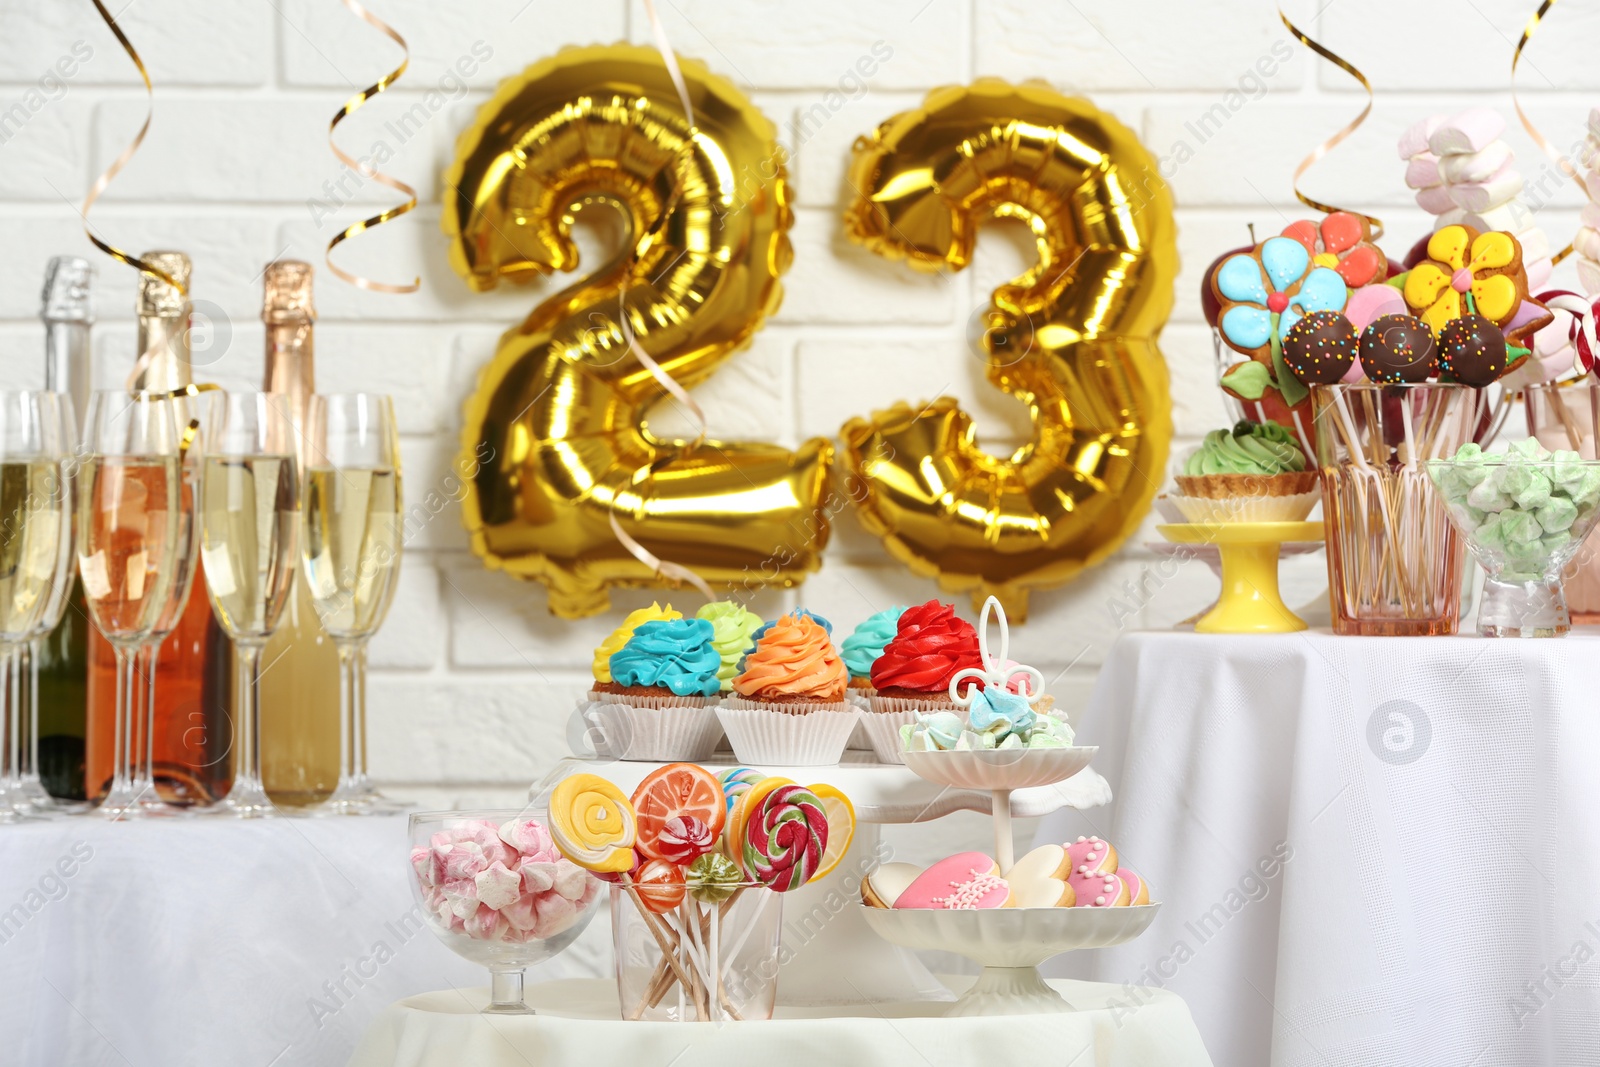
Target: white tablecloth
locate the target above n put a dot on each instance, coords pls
(1369, 851)
(202, 942)
(579, 1024)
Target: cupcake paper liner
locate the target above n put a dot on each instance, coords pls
(636, 731)
(1293, 507)
(881, 705)
(788, 737)
(883, 730)
(669, 700)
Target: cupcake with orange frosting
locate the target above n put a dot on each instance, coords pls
(788, 704)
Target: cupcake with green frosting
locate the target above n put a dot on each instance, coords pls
(733, 629)
(1255, 472)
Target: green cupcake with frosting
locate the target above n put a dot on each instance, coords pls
(1255, 472)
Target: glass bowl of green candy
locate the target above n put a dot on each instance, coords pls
(1524, 514)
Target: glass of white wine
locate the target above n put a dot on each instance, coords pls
(250, 529)
(352, 560)
(32, 797)
(130, 503)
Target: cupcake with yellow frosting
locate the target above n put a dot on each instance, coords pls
(603, 682)
(656, 687)
(788, 704)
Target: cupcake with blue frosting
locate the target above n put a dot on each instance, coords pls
(660, 701)
(865, 644)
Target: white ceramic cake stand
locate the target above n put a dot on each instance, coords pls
(999, 771)
(1009, 943)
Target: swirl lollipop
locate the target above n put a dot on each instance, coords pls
(675, 792)
(785, 837)
(736, 781)
(593, 824)
(998, 671)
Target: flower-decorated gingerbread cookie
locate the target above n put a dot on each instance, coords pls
(1342, 242)
(1472, 273)
(1263, 293)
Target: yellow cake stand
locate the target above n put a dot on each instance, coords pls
(1249, 603)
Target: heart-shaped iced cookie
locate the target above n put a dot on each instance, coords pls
(1138, 888)
(964, 881)
(1099, 890)
(1092, 855)
(883, 886)
(1039, 879)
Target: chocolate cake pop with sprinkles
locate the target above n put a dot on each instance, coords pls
(1472, 350)
(1398, 349)
(1320, 348)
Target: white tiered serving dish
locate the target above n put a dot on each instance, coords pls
(990, 769)
(1009, 943)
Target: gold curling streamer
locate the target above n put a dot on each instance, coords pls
(349, 108)
(1538, 138)
(104, 180)
(1327, 146)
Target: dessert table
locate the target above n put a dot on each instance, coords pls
(197, 941)
(1369, 850)
(578, 1023)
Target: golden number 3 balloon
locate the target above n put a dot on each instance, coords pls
(1074, 338)
(561, 407)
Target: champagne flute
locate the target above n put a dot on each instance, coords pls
(130, 500)
(188, 413)
(32, 796)
(250, 527)
(352, 560)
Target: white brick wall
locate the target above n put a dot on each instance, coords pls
(471, 677)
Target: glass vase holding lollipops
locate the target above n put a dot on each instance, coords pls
(130, 525)
(352, 541)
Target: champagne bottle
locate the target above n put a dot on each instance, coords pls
(300, 667)
(193, 738)
(62, 656)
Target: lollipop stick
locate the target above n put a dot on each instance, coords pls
(667, 952)
(1567, 423)
(1411, 437)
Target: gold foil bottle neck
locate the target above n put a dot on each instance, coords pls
(156, 297)
(286, 292)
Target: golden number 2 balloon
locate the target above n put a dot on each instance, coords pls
(1074, 338)
(561, 407)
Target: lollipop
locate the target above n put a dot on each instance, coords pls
(841, 826)
(674, 791)
(660, 885)
(733, 832)
(684, 838)
(592, 823)
(785, 837)
(736, 780)
(713, 878)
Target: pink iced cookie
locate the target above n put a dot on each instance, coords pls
(1138, 888)
(1099, 890)
(1091, 855)
(965, 881)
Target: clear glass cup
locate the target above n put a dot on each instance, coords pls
(351, 551)
(250, 530)
(727, 947)
(548, 903)
(130, 523)
(1564, 416)
(1395, 562)
(30, 795)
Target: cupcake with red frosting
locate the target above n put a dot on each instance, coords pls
(788, 704)
(931, 644)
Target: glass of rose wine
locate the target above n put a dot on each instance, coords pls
(352, 560)
(130, 523)
(250, 529)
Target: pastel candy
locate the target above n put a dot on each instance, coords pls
(1486, 496)
(1414, 141)
(1557, 515)
(1590, 216)
(1476, 166)
(1591, 182)
(1586, 242)
(1511, 217)
(1588, 275)
(1435, 201)
(1422, 172)
(1472, 130)
(963, 882)
(1483, 196)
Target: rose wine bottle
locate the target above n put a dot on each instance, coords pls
(300, 667)
(61, 657)
(193, 737)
